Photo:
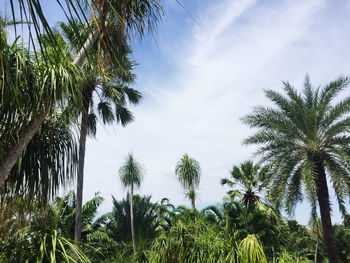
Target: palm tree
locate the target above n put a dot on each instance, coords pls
(131, 174)
(31, 89)
(304, 140)
(147, 220)
(248, 176)
(112, 93)
(189, 173)
(110, 17)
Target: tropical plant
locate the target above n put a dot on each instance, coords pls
(109, 17)
(251, 251)
(30, 88)
(188, 172)
(29, 246)
(342, 241)
(40, 236)
(316, 235)
(112, 92)
(214, 214)
(296, 239)
(248, 177)
(146, 219)
(131, 174)
(193, 242)
(48, 162)
(286, 257)
(304, 140)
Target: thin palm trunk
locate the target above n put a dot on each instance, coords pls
(316, 249)
(193, 202)
(80, 177)
(132, 219)
(13, 154)
(323, 200)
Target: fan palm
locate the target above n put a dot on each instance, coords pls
(188, 172)
(131, 174)
(248, 176)
(304, 140)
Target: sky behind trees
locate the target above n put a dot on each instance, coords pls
(200, 74)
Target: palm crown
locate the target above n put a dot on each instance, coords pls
(189, 173)
(131, 172)
(247, 177)
(303, 140)
(304, 129)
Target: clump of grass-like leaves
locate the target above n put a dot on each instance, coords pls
(193, 242)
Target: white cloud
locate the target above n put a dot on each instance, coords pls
(238, 49)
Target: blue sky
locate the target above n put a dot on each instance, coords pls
(200, 75)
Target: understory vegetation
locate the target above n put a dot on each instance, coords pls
(225, 232)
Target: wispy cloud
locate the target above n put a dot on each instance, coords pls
(222, 66)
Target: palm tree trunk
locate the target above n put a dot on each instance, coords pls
(323, 200)
(132, 219)
(80, 177)
(13, 154)
(316, 250)
(86, 47)
(193, 202)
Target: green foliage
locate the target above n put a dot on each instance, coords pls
(193, 242)
(39, 241)
(41, 170)
(249, 177)
(251, 251)
(146, 219)
(188, 172)
(303, 131)
(30, 88)
(303, 140)
(342, 241)
(290, 258)
(131, 172)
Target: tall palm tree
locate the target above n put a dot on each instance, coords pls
(131, 174)
(247, 177)
(188, 172)
(109, 17)
(112, 93)
(305, 140)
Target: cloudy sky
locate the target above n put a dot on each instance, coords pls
(200, 74)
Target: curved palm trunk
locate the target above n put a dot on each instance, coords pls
(86, 47)
(13, 154)
(132, 219)
(323, 200)
(80, 177)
